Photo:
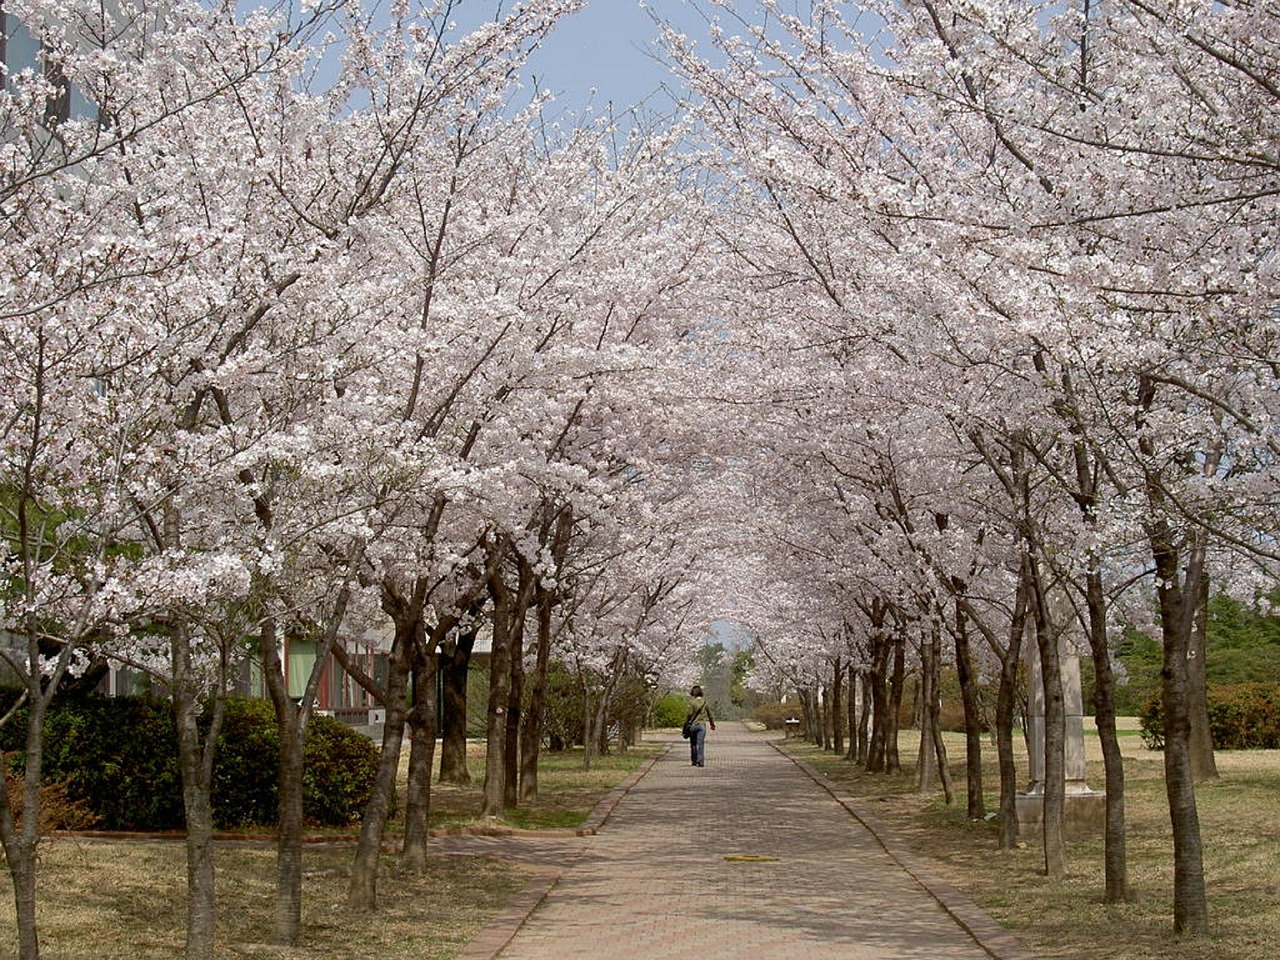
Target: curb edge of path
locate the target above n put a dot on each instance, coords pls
(994, 939)
(501, 930)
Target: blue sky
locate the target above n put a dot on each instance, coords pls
(609, 47)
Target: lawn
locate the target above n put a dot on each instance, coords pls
(1238, 814)
(109, 899)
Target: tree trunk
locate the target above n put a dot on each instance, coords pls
(1177, 616)
(198, 808)
(933, 710)
(20, 835)
(976, 808)
(877, 761)
(291, 727)
(1010, 655)
(535, 717)
(195, 761)
(1115, 857)
(515, 696)
(837, 707)
(810, 715)
(422, 751)
(851, 713)
(1204, 765)
(1048, 635)
(453, 742)
(864, 720)
(926, 695)
(362, 892)
(892, 761)
(499, 697)
(1190, 903)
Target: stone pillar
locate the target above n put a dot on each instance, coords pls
(1085, 807)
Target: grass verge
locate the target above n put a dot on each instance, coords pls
(117, 899)
(1238, 815)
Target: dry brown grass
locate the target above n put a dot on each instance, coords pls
(114, 899)
(1238, 813)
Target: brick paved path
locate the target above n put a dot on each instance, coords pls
(747, 858)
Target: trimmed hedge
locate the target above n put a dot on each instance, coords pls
(119, 755)
(1242, 716)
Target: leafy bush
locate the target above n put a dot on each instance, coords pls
(1242, 716)
(340, 766)
(669, 711)
(119, 756)
(774, 715)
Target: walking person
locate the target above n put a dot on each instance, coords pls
(697, 719)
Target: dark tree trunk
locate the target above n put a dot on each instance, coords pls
(864, 720)
(967, 676)
(1055, 777)
(1178, 604)
(933, 711)
(878, 680)
(453, 742)
(1190, 902)
(195, 761)
(851, 713)
(837, 707)
(535, 717)
(422, 751)
(1204, 765)
(362, 893)
(21, 835)
(499, 695)
(1115, 858)
(291, 722)
(1010, 655)
(515, 696)
(926, 695)
(892, 761)
(811, 719)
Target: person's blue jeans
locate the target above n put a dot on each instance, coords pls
(697, 745)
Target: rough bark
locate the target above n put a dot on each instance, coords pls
(1190, 902)
(851, 714)
(864, 720)
(453, 743)
(535, 716)
(1177, 614)
(837, 707)
(362, 892)
(291, 727)
(926, 759)
(892, 760)
(20, 835)
(422, 750)
(968, 678)
(499, 694)
(515, 696)
(1048, 635)
(1115, 856)
(1204, 765)
(195, 762)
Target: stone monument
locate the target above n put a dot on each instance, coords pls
(1085, 808)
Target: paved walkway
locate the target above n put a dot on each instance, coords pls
(748, 858)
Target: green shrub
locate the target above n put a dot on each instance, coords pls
(339, 769)
(1242, 716)
(670, 711)
(119, 756)
(774, 715)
